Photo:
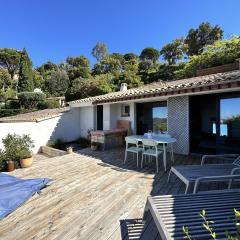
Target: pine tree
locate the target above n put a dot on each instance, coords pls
(25, 83)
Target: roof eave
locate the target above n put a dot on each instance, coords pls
(80, 104)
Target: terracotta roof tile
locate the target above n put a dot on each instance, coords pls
(36, 116)
(161, 86)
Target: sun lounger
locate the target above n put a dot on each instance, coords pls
(171, 213)
(189, 174)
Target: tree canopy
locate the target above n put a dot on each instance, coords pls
(204, 35)
(10, 59)
(150, 54)
(75, 78)
(25, 82)
(77, 67)
(100, 51)
(5, 79)
(174, 51)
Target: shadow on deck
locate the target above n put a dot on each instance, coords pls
(133, 228)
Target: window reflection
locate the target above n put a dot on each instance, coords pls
(159, 114)
(230, 118)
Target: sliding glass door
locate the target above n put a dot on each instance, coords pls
(215, 123)
(228, 127)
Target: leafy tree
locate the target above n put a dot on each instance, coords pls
(105, 82)
(10, 59)
(131, 78)
(165, 72)
(5, 79)
(204, 35)
(82, 88)
(6, 94)
(150, 54)
(131, 58)
(25, 82)
(46, 68)
(38, 79)
(57, 83)
(146, 69)
(172, 52)
(221, 52)
(100, 51)
(78, 67)
(109, 64)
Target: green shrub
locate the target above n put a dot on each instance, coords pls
(2, 160)
(12, 104)
(83, 142)
(17, 147)
(11, 112)
(30, 100)
(221, 52)
(209, 226)
(48, 104)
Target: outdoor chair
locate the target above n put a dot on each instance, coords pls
(169, 147)
(190, 174)
(150, 148)
(166, 215)
(133, 146)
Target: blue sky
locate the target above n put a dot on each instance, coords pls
(55, 29)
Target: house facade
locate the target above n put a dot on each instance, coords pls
(202, 113)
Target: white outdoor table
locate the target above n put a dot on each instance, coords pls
(160, 140)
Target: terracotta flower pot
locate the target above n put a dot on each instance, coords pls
(10, 166)
(27, 162)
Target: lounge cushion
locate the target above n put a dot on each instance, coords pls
(14, 191)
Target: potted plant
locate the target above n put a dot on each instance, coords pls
(4, 163)
(18, 149)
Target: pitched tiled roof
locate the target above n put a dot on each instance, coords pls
(36, 116)
(163, 86)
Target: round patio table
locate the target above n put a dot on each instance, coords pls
(160, 140)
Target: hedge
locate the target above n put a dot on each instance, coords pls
(11, 112)
(30, 100)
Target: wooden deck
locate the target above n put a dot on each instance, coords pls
(93, 196)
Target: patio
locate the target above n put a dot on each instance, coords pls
(93, 196)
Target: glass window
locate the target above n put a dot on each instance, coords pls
(230, 117)
(159, 114)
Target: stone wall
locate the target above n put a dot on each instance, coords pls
(52, 152)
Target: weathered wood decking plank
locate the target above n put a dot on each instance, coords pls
(91, 193)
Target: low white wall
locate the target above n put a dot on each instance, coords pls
(65, 127)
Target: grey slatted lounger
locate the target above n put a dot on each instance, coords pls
(189, 174)
(171, 213)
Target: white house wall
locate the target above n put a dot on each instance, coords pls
(86, 120)
(65, 127)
